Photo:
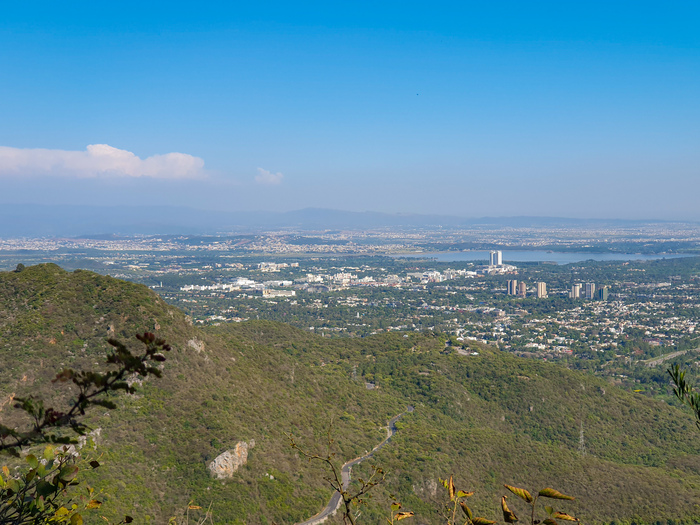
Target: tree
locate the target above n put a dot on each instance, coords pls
(44, 490)
(685, 391)
(336, 480)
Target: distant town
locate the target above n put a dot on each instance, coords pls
(614, 317)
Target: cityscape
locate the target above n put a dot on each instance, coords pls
(349, 263)
(609, 316)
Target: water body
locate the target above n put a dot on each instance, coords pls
(515, 256)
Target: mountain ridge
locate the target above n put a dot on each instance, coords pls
(32, 220)
(488, 419)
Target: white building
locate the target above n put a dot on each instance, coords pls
(590, 290)
(541, 290)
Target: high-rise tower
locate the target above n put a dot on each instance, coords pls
(590, 290)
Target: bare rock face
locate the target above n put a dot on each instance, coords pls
(196, 344)
(224, 465)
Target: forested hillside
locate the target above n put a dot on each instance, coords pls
(488, 419)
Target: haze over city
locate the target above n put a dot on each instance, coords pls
(350, 262)
(469, 109)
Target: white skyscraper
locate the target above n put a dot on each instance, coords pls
(541, 290)
(575, 291)
(496, 258)
(590, 290)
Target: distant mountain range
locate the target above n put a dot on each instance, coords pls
(31, 220)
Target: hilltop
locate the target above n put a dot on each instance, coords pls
(488, 419)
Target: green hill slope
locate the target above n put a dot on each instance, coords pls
(488, 419)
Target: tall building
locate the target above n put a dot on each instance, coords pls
(575, 291)
(522, 289)
(602, 293)
(590, 290)
(496, 258)
(513, 287)
(541, 290)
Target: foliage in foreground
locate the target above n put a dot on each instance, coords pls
(685, 391)
(496, 417)
(46, 489)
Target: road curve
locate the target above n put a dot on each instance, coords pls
(658, 360)
(345, 471)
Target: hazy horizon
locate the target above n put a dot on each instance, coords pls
(463, 109)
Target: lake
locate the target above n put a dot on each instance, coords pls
(515, 256)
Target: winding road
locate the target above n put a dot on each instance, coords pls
(345, 471)
(658, 360)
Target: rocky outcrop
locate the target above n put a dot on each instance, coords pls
(196, 344)
(224, 465)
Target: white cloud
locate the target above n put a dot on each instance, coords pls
(98, 160)
(268, 178)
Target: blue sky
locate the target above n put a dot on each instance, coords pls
(581, 109)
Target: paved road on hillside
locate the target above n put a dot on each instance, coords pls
(335, 501)
(658, 360)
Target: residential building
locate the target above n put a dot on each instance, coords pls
(590, 290)
(541, 290)
(575, 292)
(602, 293)
(522, 289)
(512, 286)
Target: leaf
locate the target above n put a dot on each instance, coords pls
(194, 507)
(93, 504)
(31, 459)
(94, 464)
(128, 519)
(68, 473)
(395, 506)
(521, 493)
(403, 515)
(564, 516)
(44, 488)
(76, 519)
(6, 471)
(466, 509)
(549, 509)
(462, 494)
(451, 488)
(508, 515)
(555, 494)
(549, 521)
(482, 521)
(49, 453)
